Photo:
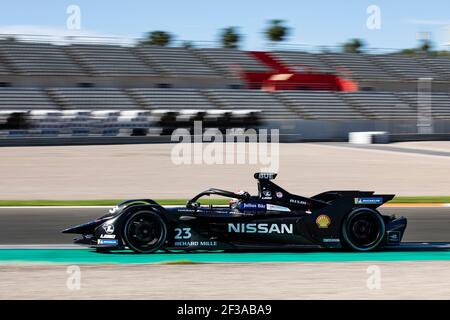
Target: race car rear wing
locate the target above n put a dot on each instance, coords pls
(271, 191)
(365, 198)
(268, 190)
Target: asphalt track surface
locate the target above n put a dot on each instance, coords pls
(34, 226)
(42, 273)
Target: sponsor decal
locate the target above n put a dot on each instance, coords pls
(109, 228)
(108, 241)
(252, 206)
(273, 207)
(107, 236)
(114, 209)
(267, 193)
(216, 210)
(195, 243)
(323, 221)
(186, 210)
(279, 194)
(331, 240)
(266, 175)
(183, 233)
(260, 228)
(301, 202)
(368, 200)
(393, 236)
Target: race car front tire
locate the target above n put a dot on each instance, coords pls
(363, 229)
(144, 232)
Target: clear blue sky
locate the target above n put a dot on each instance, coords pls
(313, 22)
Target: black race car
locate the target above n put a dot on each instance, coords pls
(273, 220)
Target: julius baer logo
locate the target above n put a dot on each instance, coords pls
(260, 228)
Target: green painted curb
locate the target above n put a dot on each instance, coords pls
(83, 256)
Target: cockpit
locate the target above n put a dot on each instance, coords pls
(235, 197)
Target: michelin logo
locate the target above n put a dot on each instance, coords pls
(260, 228)
(368, 200)
(108, 241)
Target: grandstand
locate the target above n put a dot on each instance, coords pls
(302, 61)
(405, 67)
(114, 90)
(440, 103)
(271, 107)
(109, 60)
(356, 66)
(380, 105)
(172, 99)
(438, 65)
(175, 61)
(92, 99)
(323, 105)
(231, 62)
(24, 99)
(3, 69)
(38, 59)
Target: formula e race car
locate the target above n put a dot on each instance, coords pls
(273, 220)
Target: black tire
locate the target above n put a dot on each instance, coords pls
(363, 229)
(144, 232)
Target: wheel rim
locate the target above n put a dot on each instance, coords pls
(364, 230)
(144, 232)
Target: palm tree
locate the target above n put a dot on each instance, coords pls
(353, 46)
(158, 38)
(230, 38)
(276, 31)
(425, 45)
(188, 44)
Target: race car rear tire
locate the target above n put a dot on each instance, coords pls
(144, 232)
(363, 229)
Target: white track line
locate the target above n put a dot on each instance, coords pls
(41, 246)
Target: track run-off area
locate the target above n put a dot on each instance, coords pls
(409, 252)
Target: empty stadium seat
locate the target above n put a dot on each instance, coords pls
(440, 103)
(356, 66)
(110, 60)
(324, 105)
(380, 105)
(174, 99)
(38, 59)
(231, 62)
(175, 61)
(4, 69)
(403, 66)
(269, 105)
(303, 61)
(25, 99)
(440, 65)
(93, 99)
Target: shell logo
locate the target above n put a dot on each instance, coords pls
(323, 221)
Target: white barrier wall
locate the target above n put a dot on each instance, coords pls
(339, 130)
(368, 137)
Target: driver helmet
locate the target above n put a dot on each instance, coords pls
(234, 201)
